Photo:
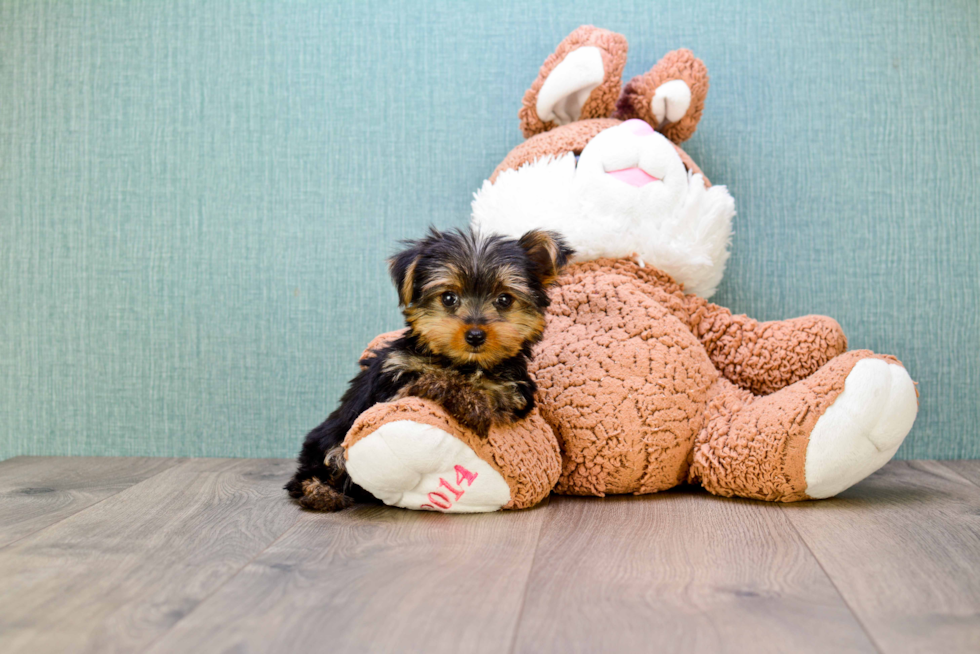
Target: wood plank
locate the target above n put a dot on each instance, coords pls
(966, 468)
(38, 491)
(903, 548)
(115, 577)
(374, 579)
(679, 571)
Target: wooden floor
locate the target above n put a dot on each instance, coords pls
(207, 555)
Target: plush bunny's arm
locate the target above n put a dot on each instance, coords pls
(379, 342)
(764, 357)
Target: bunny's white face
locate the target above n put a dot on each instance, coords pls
(632, 170)
(628, 195)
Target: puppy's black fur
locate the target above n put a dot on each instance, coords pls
(474, 307)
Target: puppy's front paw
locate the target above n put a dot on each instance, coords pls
(317, 496)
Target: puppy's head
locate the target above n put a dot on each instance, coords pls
(478, 299)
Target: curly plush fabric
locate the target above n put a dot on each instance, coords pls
(759, 356)
(764, 357)
(622, 381)
(525, 454)
(602, 100)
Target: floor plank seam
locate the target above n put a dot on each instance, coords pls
(92, 505)
(957, 473)
(857, 618)
(527, 581)
(217, 588)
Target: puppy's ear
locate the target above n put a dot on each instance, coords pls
(548, 253)
(402, 268)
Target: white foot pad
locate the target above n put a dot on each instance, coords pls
(418, 466)
(862, 429)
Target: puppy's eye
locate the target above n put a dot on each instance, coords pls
(504, 300)
(449, 299)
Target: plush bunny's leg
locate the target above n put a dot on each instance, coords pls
(410, 453)
(810, 440)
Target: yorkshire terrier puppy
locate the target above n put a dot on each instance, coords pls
(474, 306)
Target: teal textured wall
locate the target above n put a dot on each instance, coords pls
(196, 197)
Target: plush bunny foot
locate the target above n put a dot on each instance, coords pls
(410, 453)
(417, 466)
(809, 440)
(862, 429)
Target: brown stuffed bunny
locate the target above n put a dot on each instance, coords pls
(643, 383)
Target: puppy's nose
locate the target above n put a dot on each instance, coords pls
(476, 337)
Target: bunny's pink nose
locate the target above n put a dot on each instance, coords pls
(638, 127)
(633, 176)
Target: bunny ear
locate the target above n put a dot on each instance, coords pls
(670, 96)
(581, 79)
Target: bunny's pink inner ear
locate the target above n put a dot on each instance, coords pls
(670, 96)
(581, 79)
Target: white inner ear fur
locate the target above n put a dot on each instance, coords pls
(567, 88)
(676, 225)
(671, 101)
